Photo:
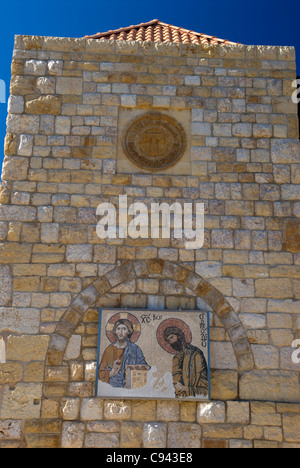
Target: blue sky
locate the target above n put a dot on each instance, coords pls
(258, 22)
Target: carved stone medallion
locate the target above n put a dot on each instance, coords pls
(154, 141)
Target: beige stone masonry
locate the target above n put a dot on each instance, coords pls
(70, 101)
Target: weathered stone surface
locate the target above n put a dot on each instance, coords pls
(10, 429)
(238, 412)
(74, 347)
(72, 435)
(274, 288)
(291, 235)
(63, 147)
(22, 85)
(184, 435)
(15, 105)
(15, 168)
(94, 440)
(155, 435)
(224, 385)
(211, 413)
(10, 144)
(27, 347)
(291, 427)
(35, 67)
(44, 105)
(15, 253)
(270, 385)
(20, 320)
(285, 151)
(92, 409)
(5, 285)
(10, 373)
(67, 85)
(23, 124)
(23, 402)
(222, 356)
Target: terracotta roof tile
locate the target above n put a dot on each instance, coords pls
(156, 31)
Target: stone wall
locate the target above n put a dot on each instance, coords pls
(62, 151)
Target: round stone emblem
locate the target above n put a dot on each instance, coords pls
(154, 141)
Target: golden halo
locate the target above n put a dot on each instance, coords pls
(172, 322)
(125, 316)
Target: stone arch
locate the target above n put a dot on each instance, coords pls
(153, 268)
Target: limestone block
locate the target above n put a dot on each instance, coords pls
(143, 410)
(79, 253)
(69, 86)
(291, 427)
(131, 435)
(28, 124)
(274, 288)
(105, 254)
(10, 144)
(35, 67)
(222, 356)
(10, 429)
(15, 167)
(15, 105)
(117, 410)
(242, 130)
(61, 270)
(224, 384)
(27, 347)
(222, 238)
(19, 320)
(72, 435)
(211, 413)
(5, 286)
(91, 409)
(95, 440)
(23, 402)
(285, 151)
(44, 105)
(264, 411)
(12, 252)
(184, 435)
(46, 85)
(266, 356)
(243, 287)
(60, 299)
(270, 385)
(155, 435)
(63, 125)
(49, 233)
(63, 44)
(47, 124)
(74, 347)
(70, 409)
(25, 145)
(238, 412)
(55, 67)
(45, 214)
(22, 85)
(262, 131)
(290, 192)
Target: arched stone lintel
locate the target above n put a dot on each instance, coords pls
(153, 268)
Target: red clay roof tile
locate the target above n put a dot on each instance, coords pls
(156, 31)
